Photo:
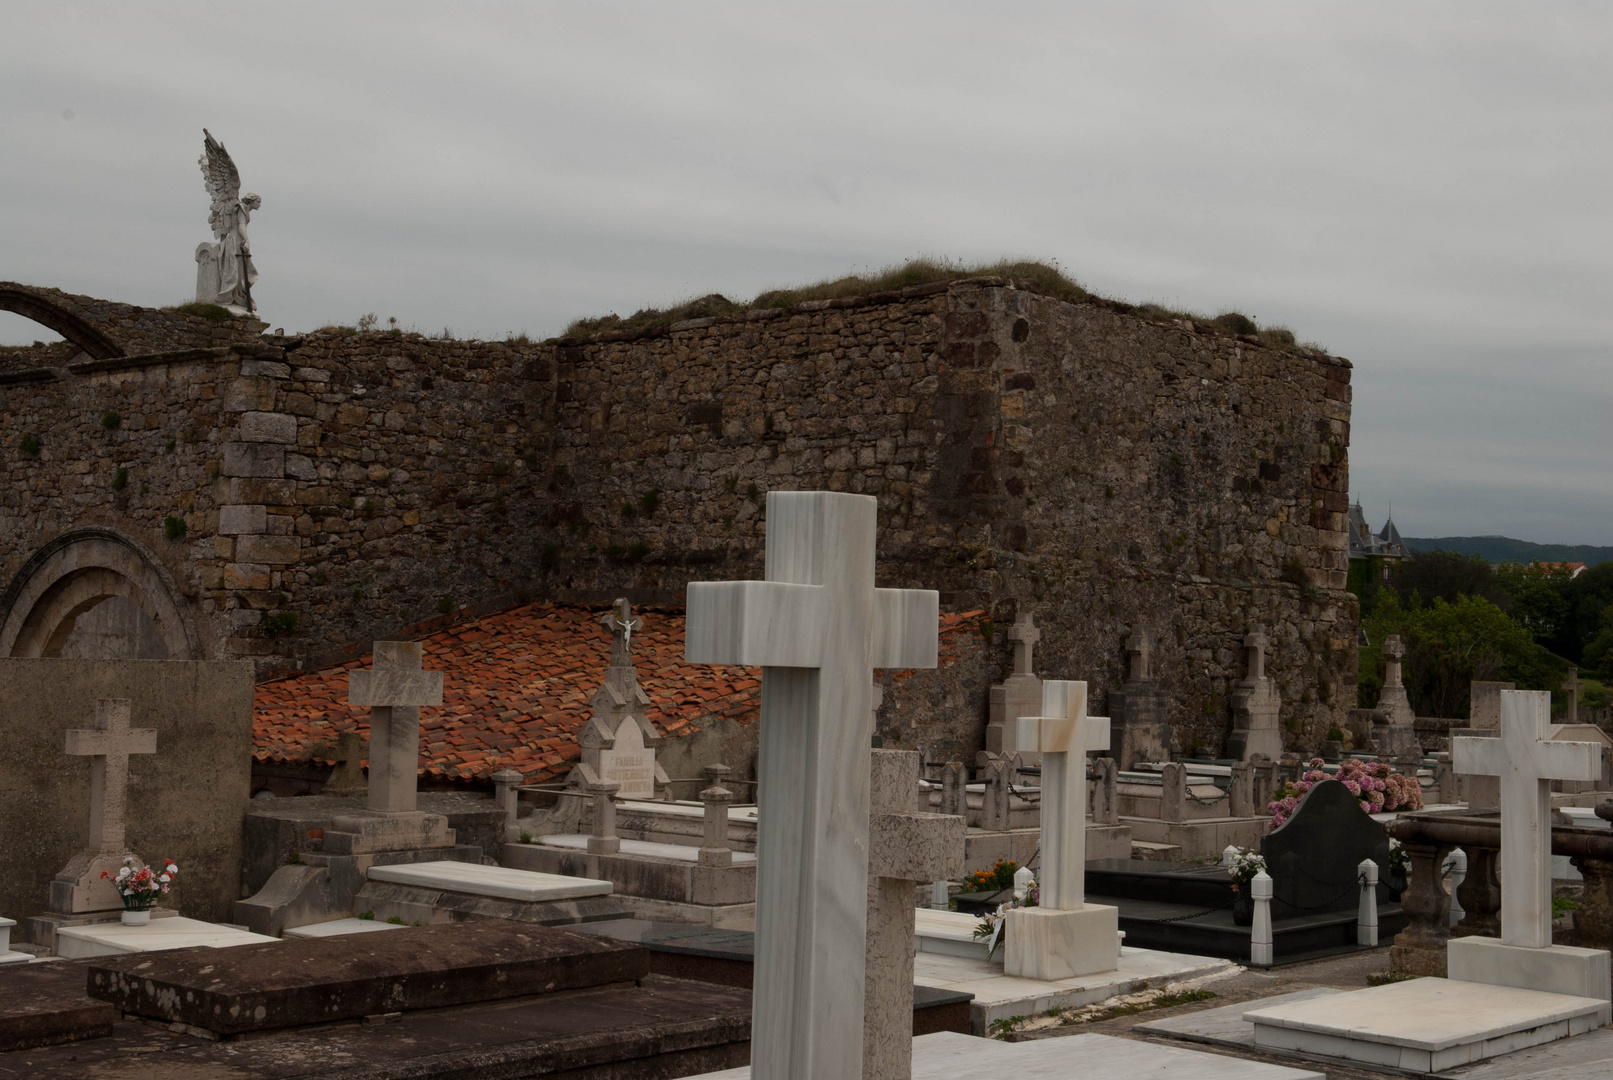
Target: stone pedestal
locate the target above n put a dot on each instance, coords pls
(1255, 707)
(1139, 710)
(1555, 969)
(1048, 944)
(366, 832)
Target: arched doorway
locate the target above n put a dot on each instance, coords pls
(93, 593)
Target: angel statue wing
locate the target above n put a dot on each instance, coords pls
(222, 181)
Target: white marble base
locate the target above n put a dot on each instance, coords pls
(646, 848)
(1557, 969)
(998, 996)
(1049, 944)
(178, 932)
(338, 927)
(6, 955)
(1425, 1025)
(946, 1055)
(947, 933)
(495, 881)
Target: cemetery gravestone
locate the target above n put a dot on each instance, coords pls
(1526, 760)
(1064, 937)
(618, 742)
(1255, 704)
(1139, 710)
(1020, 695)
(1314, 856)
(108, 745)
(1397, 735)
(904, 847)
(818, 627)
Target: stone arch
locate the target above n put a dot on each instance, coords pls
(60, 317)
(75, 574)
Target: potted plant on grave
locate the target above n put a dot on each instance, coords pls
(1399, 870)
(140, 887)
(1243, 868)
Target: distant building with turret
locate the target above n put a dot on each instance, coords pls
(1365, 544)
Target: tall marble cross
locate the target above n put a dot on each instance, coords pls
(108, 744)
(817, 626)
(394, 688)
(1526, 760)
(1064, 733)
(1025, 637)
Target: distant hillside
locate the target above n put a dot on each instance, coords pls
(1498, 549)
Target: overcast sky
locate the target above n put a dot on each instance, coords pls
(1420, 188)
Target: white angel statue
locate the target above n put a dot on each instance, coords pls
(224, 271)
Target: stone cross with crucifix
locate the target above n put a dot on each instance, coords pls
(818, 627)
(108, 745)
(618, 742)
(1064, 936)
(1527, 760)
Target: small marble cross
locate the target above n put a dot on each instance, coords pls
(1025, 636)
(1254, 652)
(1572, 687)
(1064, 733)
(109, 745)
(817, 627)
(394, 688)
(1526, 760)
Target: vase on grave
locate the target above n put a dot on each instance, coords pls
(136, 916)
(1243, 907)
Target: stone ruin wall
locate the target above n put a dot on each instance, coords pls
(1103, 468)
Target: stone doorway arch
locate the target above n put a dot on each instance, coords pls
(95, 593)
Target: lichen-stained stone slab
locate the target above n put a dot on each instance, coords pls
(497, 881)
(310, 981)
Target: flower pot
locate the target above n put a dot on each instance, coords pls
(1243, 908)
(137, 918)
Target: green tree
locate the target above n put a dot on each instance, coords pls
(1448, 645)
(1537, 600)
(1586, 630)
(1447, 575)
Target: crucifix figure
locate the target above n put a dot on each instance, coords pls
(622, 624)
(1527, 761)
(818, 627)
(108, 744)
(1025, 636)
(394, 688)
(1063, 936)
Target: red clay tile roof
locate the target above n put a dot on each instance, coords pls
(516, 686)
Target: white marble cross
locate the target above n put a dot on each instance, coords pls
(817, 626)
(394, 688)
(1527, 761)
(109, 745)
(1064, 733)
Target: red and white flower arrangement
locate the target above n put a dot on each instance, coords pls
(140, 886)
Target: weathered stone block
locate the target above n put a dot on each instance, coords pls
(254, 459)
(280, 550)
(246, 395)
(267, 427)
(301, 467)
(252, 489)
(268, 369)
(239, 520)
(246, 576)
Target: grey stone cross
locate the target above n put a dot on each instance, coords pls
(818, 627)
(1025, 636)
(1254, 652)
(394, 688)
(1572, 687)
(1526, 760)
(109, 745)
(1141, 651)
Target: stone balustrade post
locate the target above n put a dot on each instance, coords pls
(940, 898)
(714, 851)
(1366, 918)
(1480, 895)
(603, 839)
(1458, 865)
(1173, 792)
(997, 807)
(1260, 939)
(507, 797)
(1105, 801)
(1593, 922)
(954, 789)
(1445, 779)
(1229, 854)
(1241, 794)
(1419, 949)
(1022, 881)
